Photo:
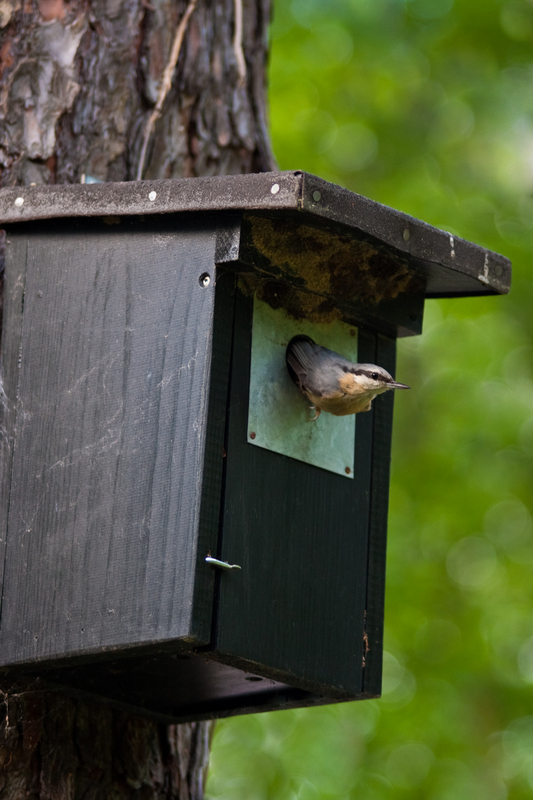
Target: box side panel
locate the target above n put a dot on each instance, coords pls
(13, 296)
(108, 467)
(295, 611)
(379, 506)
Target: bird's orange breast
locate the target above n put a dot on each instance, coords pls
(340, 404)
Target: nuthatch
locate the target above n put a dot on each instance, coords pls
(331, 382)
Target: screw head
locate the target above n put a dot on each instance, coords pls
(205, 280)
(406, 235)
(152, 196)
(19, 202)
(347, 470)
(252, 435)
(316, 196)
(274, 188)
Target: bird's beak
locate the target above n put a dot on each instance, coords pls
(395, 385)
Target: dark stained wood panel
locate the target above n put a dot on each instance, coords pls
(300, 535)
(14, 278)
(214, 453)
(377, 533)
(111, 429)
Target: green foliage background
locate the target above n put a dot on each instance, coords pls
(427, 106)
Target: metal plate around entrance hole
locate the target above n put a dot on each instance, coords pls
(279, 415)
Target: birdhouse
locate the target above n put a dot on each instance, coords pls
(178, 535)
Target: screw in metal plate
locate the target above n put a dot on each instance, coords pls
(19, 202)
(152, 196)
(274, 189)
(347, 470)
(205, 280)
(252, 435)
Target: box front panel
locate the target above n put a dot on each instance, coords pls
(296, 608)
(379, 508)
(109, 439)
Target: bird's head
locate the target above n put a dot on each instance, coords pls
(369, 380)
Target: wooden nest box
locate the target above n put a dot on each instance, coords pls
(148, 424)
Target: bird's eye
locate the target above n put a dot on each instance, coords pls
(374, 376)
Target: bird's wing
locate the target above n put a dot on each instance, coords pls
(314, 368)
(298, 358)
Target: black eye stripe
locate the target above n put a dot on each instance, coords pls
(375, 376)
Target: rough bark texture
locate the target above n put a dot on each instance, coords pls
(54, 746)
(79, 81)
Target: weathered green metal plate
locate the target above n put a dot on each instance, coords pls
(279, 415)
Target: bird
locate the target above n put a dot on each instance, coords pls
(331, 382)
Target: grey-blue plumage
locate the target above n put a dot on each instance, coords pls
(332, 382)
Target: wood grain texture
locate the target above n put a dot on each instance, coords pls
(111, 431)
(299, 533)
(214, 452)
(377, 537)
(14, 279)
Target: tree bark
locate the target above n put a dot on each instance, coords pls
(83, 97)
(78, 81)
(58, 747)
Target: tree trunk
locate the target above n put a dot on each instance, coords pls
(58, 747)
(115, 90)
(79, 81)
